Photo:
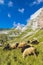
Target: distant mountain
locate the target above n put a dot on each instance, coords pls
(36, 20)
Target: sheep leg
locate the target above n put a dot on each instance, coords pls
(34, 54)
(24, 55)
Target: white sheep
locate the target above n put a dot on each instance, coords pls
(28, 51)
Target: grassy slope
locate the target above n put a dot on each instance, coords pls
(38, 35)
(8, 57)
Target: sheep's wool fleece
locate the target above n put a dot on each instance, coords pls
(28, 51)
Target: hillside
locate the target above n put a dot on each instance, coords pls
(30, 35)
(14, 57)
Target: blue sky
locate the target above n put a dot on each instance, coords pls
(17, 12)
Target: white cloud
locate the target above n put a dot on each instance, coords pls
(14, 24)
(18, 25)
(36, 2)
(21, 10)
(28, 20)
(9, 15)
(10, 3)
(1, 1)
(39, 1)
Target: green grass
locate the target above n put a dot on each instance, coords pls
(8, 57)
(38, 35)
(14, 57)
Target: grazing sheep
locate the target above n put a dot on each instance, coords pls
(11, 46)
(35, 42)
(22, 44)
(27, 46)
(7, 47)
(28, 51)
(14, 45)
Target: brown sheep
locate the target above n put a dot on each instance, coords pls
(10, 46)
(28, 51)
(22, 44)
(14, 45)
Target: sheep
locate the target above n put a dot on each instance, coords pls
(35, 42)
(7, 47)
(28, 51)
(27, 46)
(14, 45)
(11, 46)
(22, 44)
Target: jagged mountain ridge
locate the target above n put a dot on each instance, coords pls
(36, 20)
